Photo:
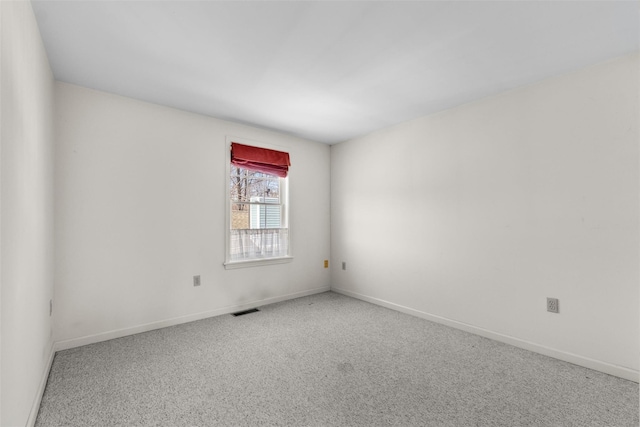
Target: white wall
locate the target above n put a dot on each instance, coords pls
(26, 231)
(140, 209)
(475, 215)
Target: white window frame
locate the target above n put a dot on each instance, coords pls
(284, 194)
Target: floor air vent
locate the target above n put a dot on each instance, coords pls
(240, 313)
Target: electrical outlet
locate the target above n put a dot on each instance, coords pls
(326, 263)
(552, 305)
(344, 265)
(196, 280)
(50, 307)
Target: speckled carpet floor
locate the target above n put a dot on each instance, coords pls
(325, 360)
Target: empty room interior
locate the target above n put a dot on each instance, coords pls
(433, 206)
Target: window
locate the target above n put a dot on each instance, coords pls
(257, 228)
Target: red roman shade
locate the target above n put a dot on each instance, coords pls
(260, 159)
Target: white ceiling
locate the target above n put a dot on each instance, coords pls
(327, 71)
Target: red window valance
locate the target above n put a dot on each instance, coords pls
(260, 159)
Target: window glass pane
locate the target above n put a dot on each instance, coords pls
(247, 185)
(256, 215)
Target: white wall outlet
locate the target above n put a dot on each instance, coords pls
(552, 305)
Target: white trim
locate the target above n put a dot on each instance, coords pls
(35, 408)
(118, 333)
(597, 365)
(231, 265)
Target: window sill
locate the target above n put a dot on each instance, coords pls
(231, 265)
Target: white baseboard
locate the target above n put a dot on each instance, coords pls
(607, 368)
(105, 336)
(33, 414)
